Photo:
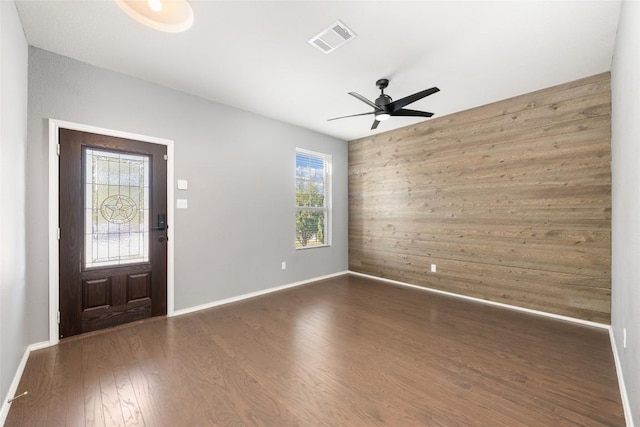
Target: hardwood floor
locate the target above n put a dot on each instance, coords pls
(341, 352)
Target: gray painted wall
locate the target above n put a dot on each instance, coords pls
(13, 141)
(240, 224)
(625, 225)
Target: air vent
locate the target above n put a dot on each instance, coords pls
(333, 37)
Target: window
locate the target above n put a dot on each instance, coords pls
(313, 199)
(116, 208)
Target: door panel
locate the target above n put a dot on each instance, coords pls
(113, 255)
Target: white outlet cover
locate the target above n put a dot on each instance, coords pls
(182, 204)
(284, 265)
(433, 268)
(183, 184)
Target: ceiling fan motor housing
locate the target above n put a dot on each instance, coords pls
(383, 100)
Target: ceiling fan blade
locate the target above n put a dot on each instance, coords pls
(353, 115)
(375, 124)
(363, 99)
(411, 113)
(396, 105)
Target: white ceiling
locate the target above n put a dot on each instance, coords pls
(255, 56)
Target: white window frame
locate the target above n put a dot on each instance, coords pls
(327, 159)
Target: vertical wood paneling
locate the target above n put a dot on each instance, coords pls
(511, 201)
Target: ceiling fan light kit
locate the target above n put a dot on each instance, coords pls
(171, 16)
(384, 107)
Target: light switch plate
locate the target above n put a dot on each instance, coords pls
(183, 184)
(181, 203)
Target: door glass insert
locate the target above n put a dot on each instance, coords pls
(116, 208)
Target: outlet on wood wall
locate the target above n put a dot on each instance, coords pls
(511, 201)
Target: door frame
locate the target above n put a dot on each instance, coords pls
(54, 184)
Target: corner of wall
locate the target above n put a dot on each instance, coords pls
(14, 337)
(625, 227)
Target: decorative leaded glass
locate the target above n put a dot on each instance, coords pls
(116, 208)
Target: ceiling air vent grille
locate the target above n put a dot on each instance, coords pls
(333, 37)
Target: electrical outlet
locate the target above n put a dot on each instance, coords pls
(433, 268)
(284, 265)
(624, 337)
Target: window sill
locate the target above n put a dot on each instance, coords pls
(302, 248)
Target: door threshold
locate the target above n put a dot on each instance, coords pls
(113, 329)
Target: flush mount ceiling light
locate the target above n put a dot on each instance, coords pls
(171, 16)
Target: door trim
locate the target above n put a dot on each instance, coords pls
(54, 251)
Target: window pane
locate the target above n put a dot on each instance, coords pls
(116, 208)
(310, 228)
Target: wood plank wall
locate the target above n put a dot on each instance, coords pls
(511, 201)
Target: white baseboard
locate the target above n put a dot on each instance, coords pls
(13, 388)
(39, 346)
(254, 294)
(623, 389)
(484, 301)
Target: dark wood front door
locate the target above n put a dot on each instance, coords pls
(113, 254)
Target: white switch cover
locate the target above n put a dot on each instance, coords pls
(183, 184)
(181, 203)
(284, 265)
(433, 268)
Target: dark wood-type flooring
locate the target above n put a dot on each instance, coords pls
(340, 352)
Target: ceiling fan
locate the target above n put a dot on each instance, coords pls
(385, 107)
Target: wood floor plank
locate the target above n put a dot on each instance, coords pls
(66, 407)
(109, 397)
(127, 398)
(343, 351)
(94, 415)
(135, 365)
